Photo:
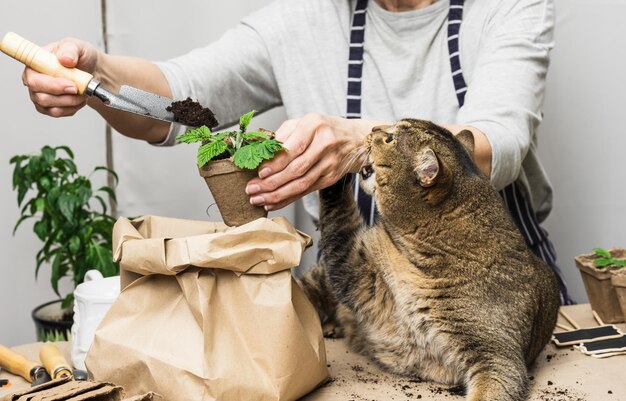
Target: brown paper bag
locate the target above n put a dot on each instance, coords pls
(209, 312)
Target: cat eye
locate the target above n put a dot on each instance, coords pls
(389, 138)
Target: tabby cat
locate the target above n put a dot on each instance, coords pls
(442, 287)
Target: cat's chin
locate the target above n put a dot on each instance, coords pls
(368, 179)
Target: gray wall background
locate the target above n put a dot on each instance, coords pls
(582, 140)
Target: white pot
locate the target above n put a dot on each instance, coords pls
(92, 300)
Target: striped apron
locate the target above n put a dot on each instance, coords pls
(521, 212)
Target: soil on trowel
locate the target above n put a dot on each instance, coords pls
(192, 114)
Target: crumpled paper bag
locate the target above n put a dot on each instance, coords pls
(209, 312)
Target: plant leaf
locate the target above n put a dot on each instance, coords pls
(246, 157)
(199, 134)
(109, 191)
(66, 150)
(101, 258)
(108, 170)
(57, 272)
(41, 229)
(67, 302)
(19, 222)
(66, 204)
(602, 262)
(602, 252)
(244, 120)
(255, 135)
(74, 244)
(208, 151)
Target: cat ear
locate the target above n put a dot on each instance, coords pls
(427, 167)
(467, 140)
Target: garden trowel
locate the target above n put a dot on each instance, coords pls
(129, 99)
(19, 365)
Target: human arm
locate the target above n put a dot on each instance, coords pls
(506, 84)
(321, 149)
(58, 97)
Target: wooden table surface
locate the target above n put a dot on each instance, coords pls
(559, 374)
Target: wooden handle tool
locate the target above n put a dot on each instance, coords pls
(17, 364)
(42, 60)
(128, 99)
(54, 362)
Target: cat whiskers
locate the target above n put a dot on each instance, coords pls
(351, 157)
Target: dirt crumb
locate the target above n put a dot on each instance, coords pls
(188, 112)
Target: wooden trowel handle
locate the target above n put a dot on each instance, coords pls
(16, 363)
(54, 362)
(42, 60)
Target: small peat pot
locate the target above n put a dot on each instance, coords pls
(597, 281)
(227, 184)
(52, 322)
(618, 280)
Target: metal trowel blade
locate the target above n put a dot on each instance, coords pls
(137, 101)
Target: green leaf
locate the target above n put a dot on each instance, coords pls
(57, 272)
(221, 135)
(255, 135)
(41, 229)
(109, 191)
(602, 262)
(66, 150)
(602, 252)
(67, 302)
(208, 151)
(20, 221)
(74, 244)
(67, 204)
(101, 258)
(244, 120)
(272, 145)
(246, 157)
(195, 135)
(21, 193)
(108, 170)
(619, 262)
(48, 154)
(103, 204)
(251, 155)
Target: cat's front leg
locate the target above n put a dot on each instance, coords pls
(340, 221)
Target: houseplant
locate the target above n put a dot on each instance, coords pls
(596, 270)
(228, 160)
(72, 221)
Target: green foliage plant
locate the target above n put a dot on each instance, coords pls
(604, 260)
(76, 236)
(247, 149)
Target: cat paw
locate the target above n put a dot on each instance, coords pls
(337, 190)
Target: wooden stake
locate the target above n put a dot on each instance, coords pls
(595, 315)
(569, 319)
(563, 327)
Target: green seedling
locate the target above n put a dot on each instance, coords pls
(247, 149)
(604, 259)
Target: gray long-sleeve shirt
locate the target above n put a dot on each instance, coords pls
(295, 53)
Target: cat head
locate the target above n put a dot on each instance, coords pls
(415, 162)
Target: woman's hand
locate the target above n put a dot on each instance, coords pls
(58, 97)
(320, 150)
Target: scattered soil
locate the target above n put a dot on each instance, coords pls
(560, 394)
(190, 113)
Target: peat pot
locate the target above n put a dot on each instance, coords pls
(601, 293)
(618, 279)
(52, 322)
(227, 184)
